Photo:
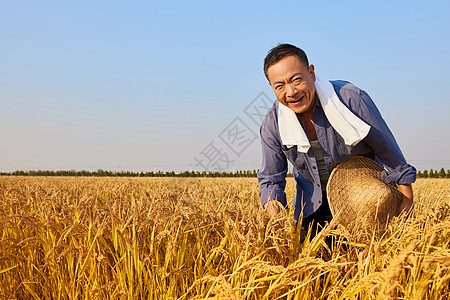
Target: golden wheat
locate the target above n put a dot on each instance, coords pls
(181, 238)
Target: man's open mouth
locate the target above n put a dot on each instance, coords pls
(297, 101)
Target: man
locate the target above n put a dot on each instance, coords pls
(294, 83)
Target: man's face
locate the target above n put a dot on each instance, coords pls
(293, 84)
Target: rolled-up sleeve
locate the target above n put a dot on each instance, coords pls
(272, 174)
(381, 139)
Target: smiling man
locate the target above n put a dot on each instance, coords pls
(317, 124)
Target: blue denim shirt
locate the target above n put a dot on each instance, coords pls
(379, 145)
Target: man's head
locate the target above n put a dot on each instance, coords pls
(291, 77)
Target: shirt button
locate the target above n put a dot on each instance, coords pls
(318, 184)
(314, 167)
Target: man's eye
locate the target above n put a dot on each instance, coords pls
(297, 80)
(278, 87)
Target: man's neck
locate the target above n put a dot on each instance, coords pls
(308, 123)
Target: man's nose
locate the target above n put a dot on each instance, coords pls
(290, 90)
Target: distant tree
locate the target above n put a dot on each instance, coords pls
(442, 173)
(425, 174)
(448, 173)
(436, 174)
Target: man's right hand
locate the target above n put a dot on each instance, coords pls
(272, 208)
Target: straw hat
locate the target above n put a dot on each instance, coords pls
(357, 194)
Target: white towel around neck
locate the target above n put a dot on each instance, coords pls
(346, 124)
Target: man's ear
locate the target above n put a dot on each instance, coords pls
(311, 72)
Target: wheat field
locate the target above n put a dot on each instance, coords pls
(206, 238)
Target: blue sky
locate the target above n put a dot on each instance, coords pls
(156, 85)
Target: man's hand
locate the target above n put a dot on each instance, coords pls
(407, 205)
(272, 208)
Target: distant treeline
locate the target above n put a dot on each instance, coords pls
(434, 174)
(241, 173)
(103, 173)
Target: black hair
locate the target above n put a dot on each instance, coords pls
(281, 51)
